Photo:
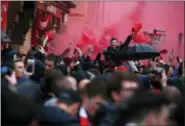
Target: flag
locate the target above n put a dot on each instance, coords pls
(4, 12)
(139, 36)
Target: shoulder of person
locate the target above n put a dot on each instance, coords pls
(109, 48)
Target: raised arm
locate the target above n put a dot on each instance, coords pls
(127, 42)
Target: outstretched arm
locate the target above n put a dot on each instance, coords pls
(127, 42)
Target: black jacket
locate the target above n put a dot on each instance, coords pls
(110, 53)
(106, 115)
(56, 117)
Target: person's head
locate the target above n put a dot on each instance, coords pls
(155, 84)
(69, 101)
(141, 69)
(122, 85)
(114, 42)
(68, 62)
(8, 56)
(144, 108)
(79, 75)
(50, 80)
(94, 95)
(55, 82)
(171, 93)
(50, 63)
(73, 82)
(63, 69)
(19, 68)
(152, 62)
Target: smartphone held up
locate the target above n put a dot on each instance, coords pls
(30, 67)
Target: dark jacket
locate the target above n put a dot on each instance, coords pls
(110, 53)
(16, 110)
(29, 89)
(56, 117)
(105, 115)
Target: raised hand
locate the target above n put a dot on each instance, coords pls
(79, 51)
(12, 78)
(70, 45)
(171, 57)
(90, 48)
(164, 78)
(42, 50)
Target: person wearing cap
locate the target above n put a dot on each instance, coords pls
(65, 111)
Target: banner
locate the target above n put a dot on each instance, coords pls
(4, 12)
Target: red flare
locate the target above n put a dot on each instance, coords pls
(139, 36)
(164, 51)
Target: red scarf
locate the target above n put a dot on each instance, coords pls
(84, 121)
(157, 91)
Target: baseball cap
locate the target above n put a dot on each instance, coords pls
(69, 96)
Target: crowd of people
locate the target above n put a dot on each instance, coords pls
(72, 89)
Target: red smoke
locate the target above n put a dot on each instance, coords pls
(139, 36)
(109, 32)
(135, 17)
(118, 29)
(136, 14)
(113, 29)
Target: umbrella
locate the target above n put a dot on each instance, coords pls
(138, 52)
(5, 38)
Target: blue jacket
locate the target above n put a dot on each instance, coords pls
(22, 79)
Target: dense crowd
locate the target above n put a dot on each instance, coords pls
(72, 89)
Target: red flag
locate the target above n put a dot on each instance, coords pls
(137, 27)
(86, 39)
(139, 36)
(164, 51)
(44, 21)
(50, 35)
(4, 12)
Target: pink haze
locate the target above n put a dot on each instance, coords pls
(117, 18)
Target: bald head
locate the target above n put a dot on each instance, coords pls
(73, 82)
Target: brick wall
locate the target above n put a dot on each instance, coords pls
(27, 43)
